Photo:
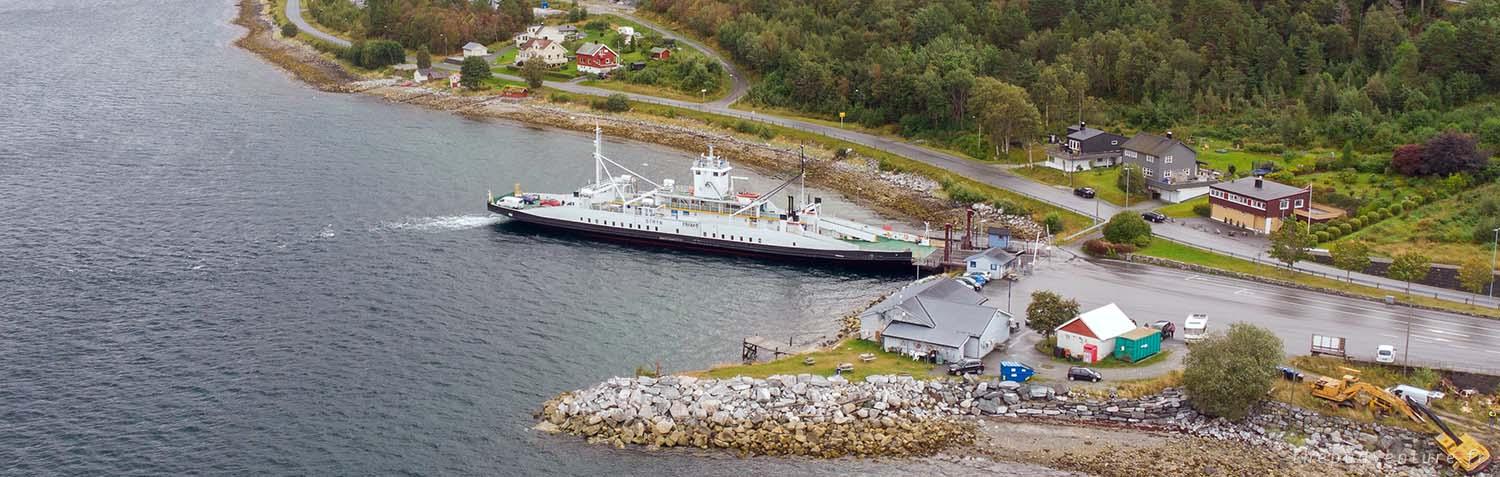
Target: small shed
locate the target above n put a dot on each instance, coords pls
(637, 66)
(1137, 344)
(993, 263)
(1091, 335)
(660, 53)
(475, 49)
(1015, 371)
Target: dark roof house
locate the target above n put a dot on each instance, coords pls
(1169, 166)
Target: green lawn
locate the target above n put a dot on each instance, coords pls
(1162, 248)
(1244, 161)
(1103, 181)
(846, 351)
(1183, 209)
(506, 57)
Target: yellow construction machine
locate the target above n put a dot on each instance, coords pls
(1467, 454)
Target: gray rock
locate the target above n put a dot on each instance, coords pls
(989, 407)
(1009, 385)
(679, 410)
(878, 379)
(1011, 398)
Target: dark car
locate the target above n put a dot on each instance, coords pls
(1080, 373)
(1289, 374)
(1084, 192)
(1157, 217)
(1167, 329)
(968, 366)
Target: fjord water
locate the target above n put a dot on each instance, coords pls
(208, 268)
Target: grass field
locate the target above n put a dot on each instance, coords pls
(846, 351)
(1183, 209)
(1174, 251)
(1102, 180)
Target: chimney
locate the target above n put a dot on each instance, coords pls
(1258, 182)
(1169, 134)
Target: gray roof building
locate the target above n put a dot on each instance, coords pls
(1257, 188)
(945, 323)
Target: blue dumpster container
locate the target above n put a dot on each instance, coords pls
(1013, 371)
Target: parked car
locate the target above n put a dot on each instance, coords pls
(1154, 216)
(968, 366)
(1167, 329)
(1385, 354)
(1084, 192)
(969, 282)
(1290, 374)
(1080, 373)
(978, 278)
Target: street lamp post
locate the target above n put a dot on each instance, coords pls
(1494, 253)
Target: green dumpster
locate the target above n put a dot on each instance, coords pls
(1137, 344)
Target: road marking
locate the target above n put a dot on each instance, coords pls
(1244, 292)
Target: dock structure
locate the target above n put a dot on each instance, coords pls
(753, 345)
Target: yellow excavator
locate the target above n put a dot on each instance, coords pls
(1467, 454)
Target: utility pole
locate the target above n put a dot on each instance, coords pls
(1125, 168)
(1406, 349)
(1494, 253)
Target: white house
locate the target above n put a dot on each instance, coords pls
(475, 49)
(1092, 334)
(993, 263)
(936, 318)
(548, 52)
(627, 33)
(540, 32)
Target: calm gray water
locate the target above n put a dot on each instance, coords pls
(206, 267)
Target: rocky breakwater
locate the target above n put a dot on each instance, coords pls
(1308, 436)
(780, 415)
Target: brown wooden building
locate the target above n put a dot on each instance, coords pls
(1257, 204)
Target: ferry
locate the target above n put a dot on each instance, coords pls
(711, 215)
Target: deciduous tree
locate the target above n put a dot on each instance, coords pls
(1128, 227)
(1004, 110)
(1048, 311)
(1350, 256)
(1226, 374)
(1409, 267)
(1475, 274)
(1290, 242)
(533, 72)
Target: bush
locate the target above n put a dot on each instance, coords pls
(617, 103)
(1346, 228)
(1322, 236)
(1128, 227)
(1228, 373)
(1355, 223)
(1054, 222)
(1010, 208)
(963, 193)
(289, 30)
(1203, 210)
(473, 72)
(378, 54)
(1103, 248)
(560, 98)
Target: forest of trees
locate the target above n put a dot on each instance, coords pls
(442, 25)
(1300, 72)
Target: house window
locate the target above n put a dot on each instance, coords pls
(1285, 203)
(1146, 172)
(994, 266)
(1130, 154)
(1150, 158)
(1299, 203)
(1169, 159)
(973, 264)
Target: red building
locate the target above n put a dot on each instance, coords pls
(597, 58)
(660, 53)
(1257, 204)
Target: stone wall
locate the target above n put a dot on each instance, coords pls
(901, 416)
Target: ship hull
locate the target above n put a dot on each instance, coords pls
(864, 259)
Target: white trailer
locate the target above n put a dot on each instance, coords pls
(1195, 327)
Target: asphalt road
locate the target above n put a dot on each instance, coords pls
(294, 13)
(987, 173)
(1147, 294)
